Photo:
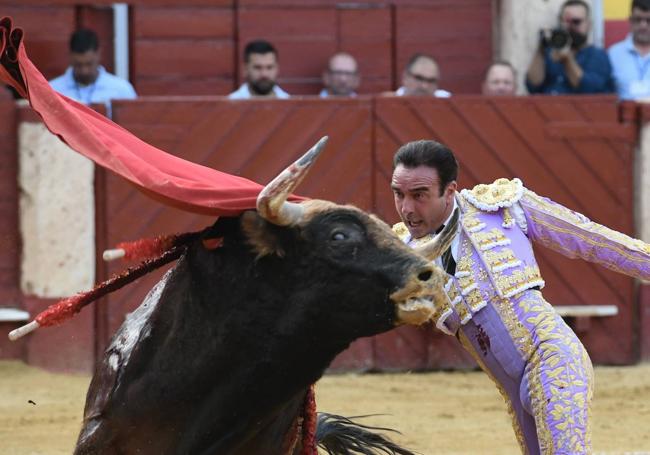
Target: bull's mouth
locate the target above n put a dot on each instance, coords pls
(414, 303)
(415, 311)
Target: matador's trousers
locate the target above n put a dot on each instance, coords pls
(541, 369)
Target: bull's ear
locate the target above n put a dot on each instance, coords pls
(260, 235)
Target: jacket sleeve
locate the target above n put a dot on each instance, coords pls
(576, 236)
(596, 74)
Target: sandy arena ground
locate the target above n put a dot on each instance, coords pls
(438, 413)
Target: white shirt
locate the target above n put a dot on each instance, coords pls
(437, 94)
(244, 93)
(106, 87)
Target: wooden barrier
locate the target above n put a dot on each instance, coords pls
(576, 150)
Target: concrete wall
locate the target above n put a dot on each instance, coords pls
(57, 215)
(518, 24)
(642, 216)
(642, 184)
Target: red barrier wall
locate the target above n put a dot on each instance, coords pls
(644, 321)
(576, 150)
(573, 149)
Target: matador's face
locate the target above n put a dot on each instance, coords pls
(418, 200)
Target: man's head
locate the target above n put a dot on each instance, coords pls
(260, 67)
(640, 22)
(84, 56)
(423, 184)
(421, 76)
(500, 79)
(575, 19)
(341, 78)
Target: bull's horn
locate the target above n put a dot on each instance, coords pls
(434, 249)
(272, 202)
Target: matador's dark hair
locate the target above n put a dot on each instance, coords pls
(432, 154)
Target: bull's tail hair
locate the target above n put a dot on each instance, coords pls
(339, 435)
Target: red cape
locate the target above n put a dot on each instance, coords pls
(167, 178)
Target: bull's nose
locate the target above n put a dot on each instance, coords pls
(425, 273)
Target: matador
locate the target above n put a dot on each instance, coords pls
(495, 306)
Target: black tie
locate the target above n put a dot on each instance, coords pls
(448, 262)
(447, 258)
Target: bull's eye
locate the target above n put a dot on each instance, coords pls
(338, 235)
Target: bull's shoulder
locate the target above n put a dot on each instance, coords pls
(494, 196)
(126, 341)
(401, 230)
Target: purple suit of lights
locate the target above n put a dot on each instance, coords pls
(496, 310)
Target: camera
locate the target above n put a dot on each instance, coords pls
(556, 38)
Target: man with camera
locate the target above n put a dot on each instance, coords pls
(564, 62)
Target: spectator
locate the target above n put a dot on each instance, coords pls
(631, 57)
(341, 78)
(85, 80)
(421, 77)
(500, 79)
(564, 63)
(260, 72)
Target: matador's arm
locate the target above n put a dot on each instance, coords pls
(576, 236)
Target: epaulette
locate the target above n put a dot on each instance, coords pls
(490, 198)
(401, 230)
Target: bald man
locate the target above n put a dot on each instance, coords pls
(500, 80)
(421, 77)
(341, 77)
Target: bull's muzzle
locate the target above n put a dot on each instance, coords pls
(415, 301)
(425, 285)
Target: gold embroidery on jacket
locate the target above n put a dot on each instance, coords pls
(501, 260)
(473, 223)
(490, 239)
(470, 291)
(519, 280)
(508, 220)
(501, 193)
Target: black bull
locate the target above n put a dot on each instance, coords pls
(219, 356)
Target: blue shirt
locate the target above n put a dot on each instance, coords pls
(631, 71)
(105, 88)
(326, 94)
(597, 74)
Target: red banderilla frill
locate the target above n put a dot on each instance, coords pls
(63, 310)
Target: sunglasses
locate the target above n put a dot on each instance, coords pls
(636, 20)
(342, 73)
(423, 79)
(575, 21)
